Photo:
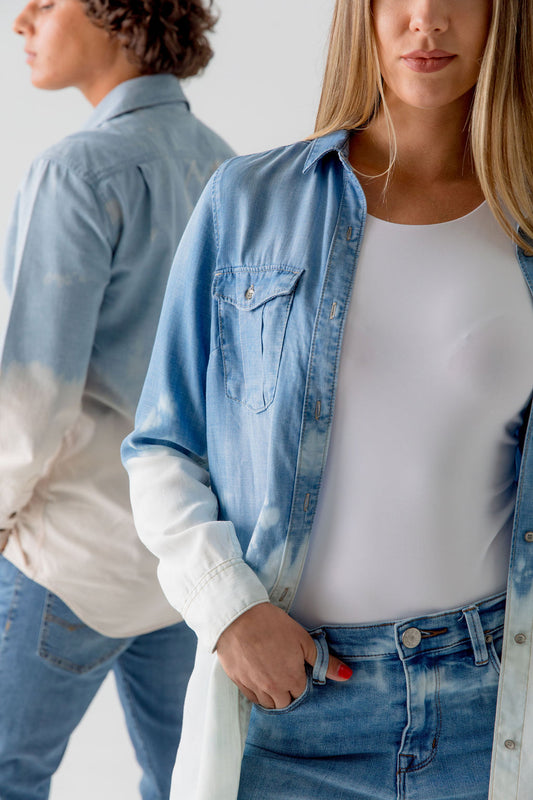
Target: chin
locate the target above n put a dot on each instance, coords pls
(432, 99)
(46, 83)
(429, 101)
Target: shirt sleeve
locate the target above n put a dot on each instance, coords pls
(58, 258)
(201, 565)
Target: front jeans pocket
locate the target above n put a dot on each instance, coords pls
(295, 703)
(253, 309)
(494, 648)
(316, 675)
(68, 643)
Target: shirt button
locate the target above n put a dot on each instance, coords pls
(249, 293)
(509, 744)
(411, 637)
(520, 638)
(529, 536)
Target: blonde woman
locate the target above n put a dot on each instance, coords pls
(331, 445)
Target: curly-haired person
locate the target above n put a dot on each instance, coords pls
(94, 229)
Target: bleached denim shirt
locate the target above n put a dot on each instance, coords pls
(94, 231)
(233, 427)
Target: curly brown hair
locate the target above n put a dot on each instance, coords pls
(158, 35)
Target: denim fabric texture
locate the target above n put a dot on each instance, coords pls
(233, 427)
(94, 230)
(52, 665)
(415, 721)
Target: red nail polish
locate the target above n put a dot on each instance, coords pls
(344, 672)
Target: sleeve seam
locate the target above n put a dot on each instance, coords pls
(214, 213)
(208, 577)
(89, 182)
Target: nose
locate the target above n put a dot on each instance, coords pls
(22, 22)
(429, 17)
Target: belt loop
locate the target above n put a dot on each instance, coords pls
(477, 635)
(322, 658)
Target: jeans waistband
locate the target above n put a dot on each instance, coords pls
(407, 638)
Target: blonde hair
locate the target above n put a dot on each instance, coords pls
(501, 123)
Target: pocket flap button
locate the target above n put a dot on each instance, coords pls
(249, 293)
(411, 637)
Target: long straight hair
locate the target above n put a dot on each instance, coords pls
(501, 121)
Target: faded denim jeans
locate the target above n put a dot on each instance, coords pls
(415, 721)
(51, 666)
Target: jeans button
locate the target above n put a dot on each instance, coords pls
(411, 637)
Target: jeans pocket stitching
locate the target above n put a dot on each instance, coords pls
(292, 706)
(44, 647)
(13, 606)
(494, 658)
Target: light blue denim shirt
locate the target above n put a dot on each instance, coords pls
(233, 428)
(94, 230)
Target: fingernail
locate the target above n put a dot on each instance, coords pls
(344, 672)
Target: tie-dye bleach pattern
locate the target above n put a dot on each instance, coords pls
(225, 478)
(95, 227)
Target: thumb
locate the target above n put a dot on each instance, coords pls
(337, 670)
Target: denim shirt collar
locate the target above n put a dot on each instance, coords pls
(332, 142)
(143, 92)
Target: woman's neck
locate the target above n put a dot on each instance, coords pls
(433, 178)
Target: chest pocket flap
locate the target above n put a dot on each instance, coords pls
(253, 309)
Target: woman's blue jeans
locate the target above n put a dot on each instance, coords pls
(415, 721)
(51, 666)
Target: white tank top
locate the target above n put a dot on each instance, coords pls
(415, 509)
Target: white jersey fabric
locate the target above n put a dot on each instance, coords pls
(415, 510)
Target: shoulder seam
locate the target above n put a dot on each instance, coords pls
(92, 187)
(89, 175)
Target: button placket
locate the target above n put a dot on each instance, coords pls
(510, 744)
(335, 290)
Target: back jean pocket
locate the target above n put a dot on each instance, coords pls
(253, 309)
(68, 643)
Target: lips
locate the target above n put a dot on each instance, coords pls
(427, 60)
(428, 54)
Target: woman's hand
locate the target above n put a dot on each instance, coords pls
(264, 652)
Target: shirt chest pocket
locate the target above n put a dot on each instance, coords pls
(253, 309)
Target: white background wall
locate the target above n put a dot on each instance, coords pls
(260, 90)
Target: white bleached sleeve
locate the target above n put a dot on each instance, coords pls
(201, 566)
